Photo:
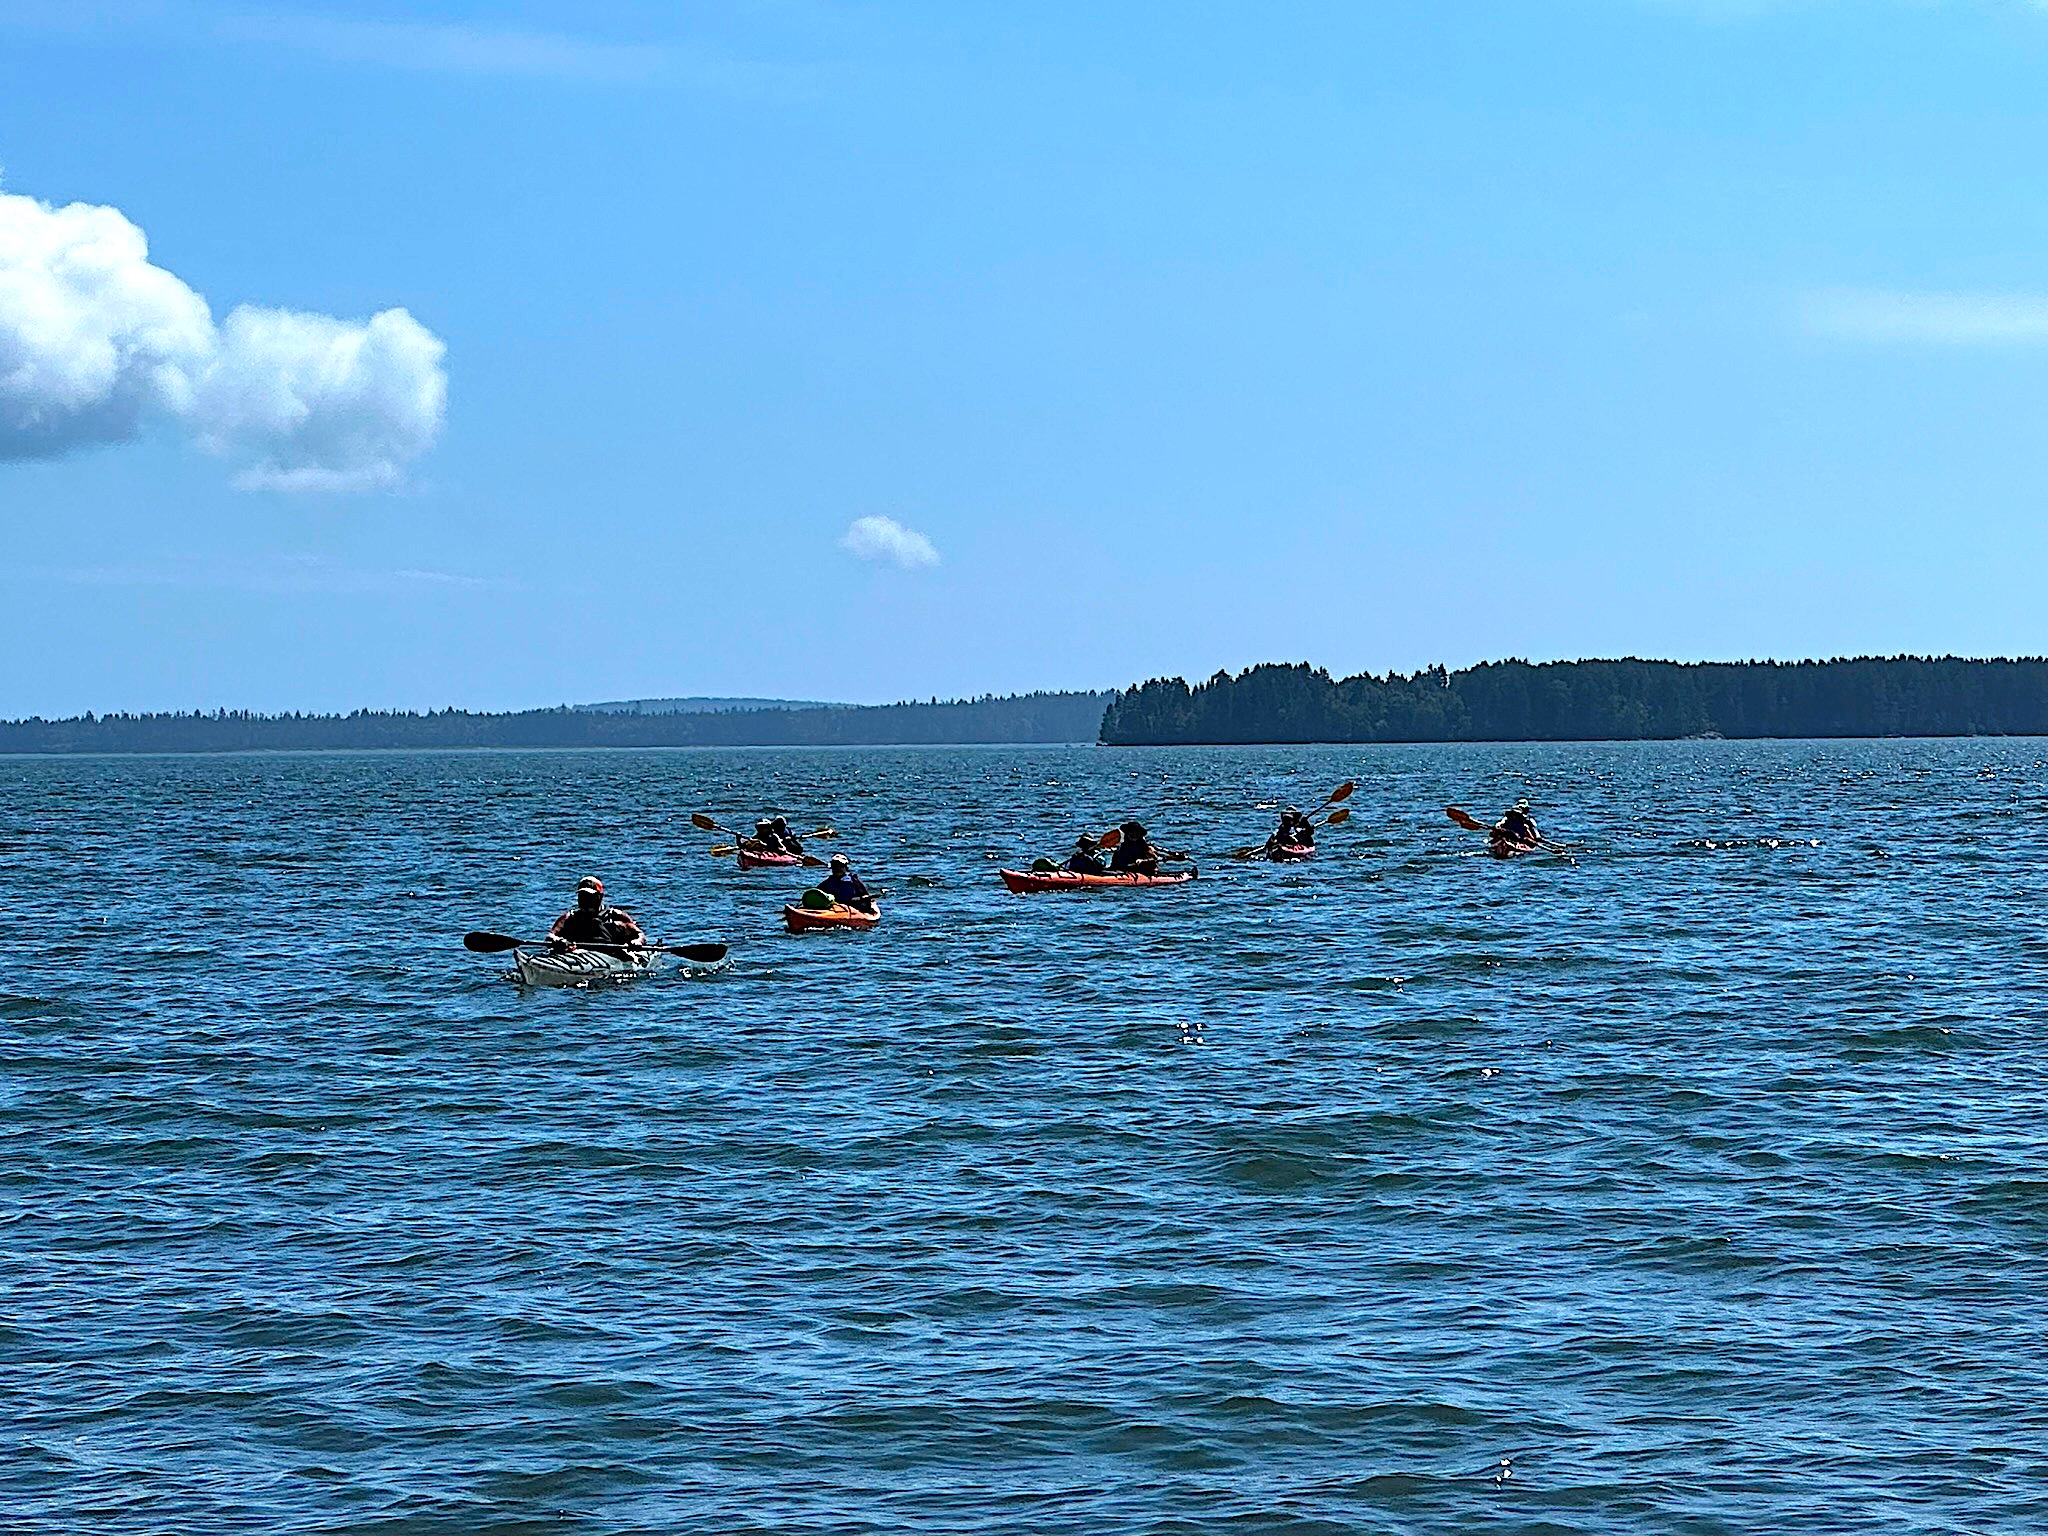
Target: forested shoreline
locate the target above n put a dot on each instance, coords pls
(1020, 719)
(1624, 700)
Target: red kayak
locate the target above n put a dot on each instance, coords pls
(1292, 853)
(1508, 848)
(1022, 881)
(838, 915)
(748, 859)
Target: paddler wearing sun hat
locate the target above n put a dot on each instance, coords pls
(1135, 854)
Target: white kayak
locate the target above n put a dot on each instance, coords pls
(596, 968)
(580, 967)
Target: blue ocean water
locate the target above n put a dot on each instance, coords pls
(1703, 1180)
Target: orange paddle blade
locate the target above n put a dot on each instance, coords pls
(1469, 823)
(1110, 838)
(704, 823)
(1342, 792)
(1338, 818)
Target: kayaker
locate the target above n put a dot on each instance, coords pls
(1135, 855)
(788, 839)
(1086, 858)
(844, 886)
(1295, 831)
(765, 839)
(1516, 828)
(590, 921)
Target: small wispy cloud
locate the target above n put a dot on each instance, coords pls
(1714, 10)
(885, 539)
(484, 50)
(1890, 316)
(448, 47)
(289, 575)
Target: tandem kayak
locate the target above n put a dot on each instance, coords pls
(751, 860)
(1504, 848)
(838, 915)
(1022, 880)
(1291, 853)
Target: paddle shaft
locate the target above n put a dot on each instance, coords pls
(498, 943)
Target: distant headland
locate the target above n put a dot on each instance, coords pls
(1625, 700)
(1017, 719)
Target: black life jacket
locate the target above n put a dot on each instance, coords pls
(599, 927)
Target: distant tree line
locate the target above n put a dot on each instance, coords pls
(1021, 718)
(1625, 700)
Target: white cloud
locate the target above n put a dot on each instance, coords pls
(883, 538)
(319, 403)
(1939, 319)
(269, 575)
(93, 339)
(97, 346)
(489, 51)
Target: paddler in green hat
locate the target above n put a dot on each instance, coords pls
(1086, 858)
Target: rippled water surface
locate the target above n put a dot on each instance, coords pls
(1703, 1177)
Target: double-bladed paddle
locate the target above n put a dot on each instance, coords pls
(499, 943)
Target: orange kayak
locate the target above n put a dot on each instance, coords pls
(838, 915)
(1021, 881)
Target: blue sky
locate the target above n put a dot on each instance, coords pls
(504, 355)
